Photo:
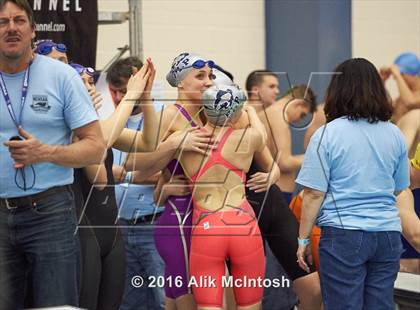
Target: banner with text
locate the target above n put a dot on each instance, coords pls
(72, 22)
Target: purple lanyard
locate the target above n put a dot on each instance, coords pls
(6, 96)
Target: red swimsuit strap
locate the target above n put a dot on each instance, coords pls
(216, 158)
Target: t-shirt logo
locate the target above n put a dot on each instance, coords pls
(40, 103)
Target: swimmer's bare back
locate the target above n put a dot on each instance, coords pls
(221, 187)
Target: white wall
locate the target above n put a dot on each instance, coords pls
(383, 29)
(230, 32)
(110, 37)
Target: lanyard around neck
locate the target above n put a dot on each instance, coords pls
(25, 85)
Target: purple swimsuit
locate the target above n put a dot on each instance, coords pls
(173, 234)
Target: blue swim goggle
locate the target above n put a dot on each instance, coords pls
(45, 47)
(81, 69)
(199, 64)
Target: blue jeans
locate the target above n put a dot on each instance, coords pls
(358, 268)
(38, 251)
(143, 260)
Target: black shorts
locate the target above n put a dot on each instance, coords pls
(279, 228)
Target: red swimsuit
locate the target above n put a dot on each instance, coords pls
(221, 235)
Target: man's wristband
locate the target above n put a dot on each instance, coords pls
(304, 242)
(128, 177)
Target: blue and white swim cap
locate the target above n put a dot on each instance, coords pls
(183, 64)
(222, 102)
(408, 63)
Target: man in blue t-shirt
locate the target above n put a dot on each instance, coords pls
(137, 212)
(43, 102)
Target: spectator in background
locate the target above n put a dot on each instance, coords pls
(51, 49)
(137, 211)
(277, 222)
(262, 87)
(354, 168)
(409, 201)
(103, 256)
(406, 72)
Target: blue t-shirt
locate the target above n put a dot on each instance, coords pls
(359, 166)
(57, 102)
(134, 200)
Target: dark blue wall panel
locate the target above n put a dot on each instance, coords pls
(307, 36)
(304, 37)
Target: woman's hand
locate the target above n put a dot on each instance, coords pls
(303, 252)
(260, 182)
(138, 80)
(148, 89)
(194, 140)
(177, 186)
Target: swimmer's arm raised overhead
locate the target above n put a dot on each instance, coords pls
(409, 98)
(281, 146)
(147, 139)
(112, 127)
(138, 89)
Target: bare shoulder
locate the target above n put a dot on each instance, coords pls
(274, 116)
(170, 120)
(250, 135)
(169, 111)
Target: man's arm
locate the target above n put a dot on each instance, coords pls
(255, 122)
(280, 144)
(88, 150)
(407, 96)
(318, 120)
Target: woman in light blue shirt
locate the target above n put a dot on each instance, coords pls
(354, 167)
